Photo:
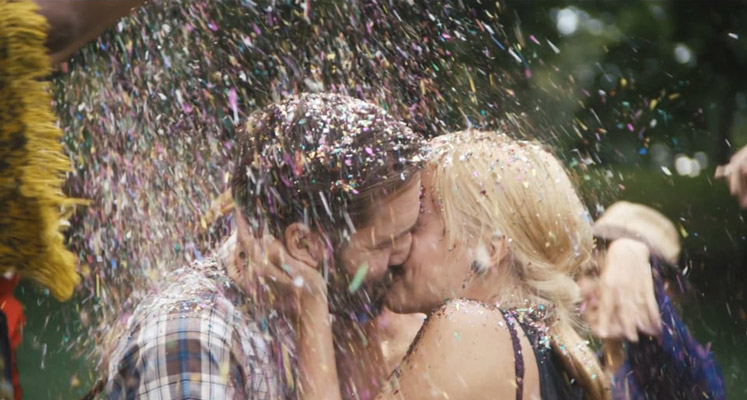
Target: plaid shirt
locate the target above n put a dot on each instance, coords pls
(197, 337)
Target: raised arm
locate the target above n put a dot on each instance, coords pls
(735, 175)
(674, 365)
(73, 23)
(268, 263)
(463, 351)
(623, 302)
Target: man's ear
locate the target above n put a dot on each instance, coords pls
(304, 245)
(240, 254)
(243, 234)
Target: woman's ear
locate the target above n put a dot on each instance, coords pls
(304, 245)
(498, 249)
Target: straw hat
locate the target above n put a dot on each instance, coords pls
(636, 221)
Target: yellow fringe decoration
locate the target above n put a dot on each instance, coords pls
(32, 164)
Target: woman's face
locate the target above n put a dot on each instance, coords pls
(433, 272)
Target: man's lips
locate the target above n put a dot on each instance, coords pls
(379, 289)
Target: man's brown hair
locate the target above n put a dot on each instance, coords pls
(321, 159)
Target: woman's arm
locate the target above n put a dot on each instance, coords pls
(395, 333)
(673, 366)
(268, 262)
(623, 301)
(316, 354)
(463, 351)
(73, 23)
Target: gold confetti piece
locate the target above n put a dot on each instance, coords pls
(288, 372)
(653, 104)
(224, 370)
(683, 232)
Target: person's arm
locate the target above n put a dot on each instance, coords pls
(269, 263)
(73, 23)
(315, 351)
(623, 303)
(395, 332)
(463, 351)
(674, 365)
(735, 174)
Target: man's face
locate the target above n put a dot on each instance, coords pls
(385, 239)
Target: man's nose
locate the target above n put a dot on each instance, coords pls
(401, 250)
(377, 272)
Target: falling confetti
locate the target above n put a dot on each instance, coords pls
(150, 111)
(357, 280)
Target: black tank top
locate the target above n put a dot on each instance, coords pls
(554, 382)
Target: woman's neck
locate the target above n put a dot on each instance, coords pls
(496, 286)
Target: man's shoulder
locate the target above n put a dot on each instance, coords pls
(194, 322)
(193, 289)
(172, 325)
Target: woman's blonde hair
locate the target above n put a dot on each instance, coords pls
(488, 185)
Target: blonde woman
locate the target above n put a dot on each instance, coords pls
(500, 237)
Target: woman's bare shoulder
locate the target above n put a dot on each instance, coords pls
(481, 322)
(463, 350)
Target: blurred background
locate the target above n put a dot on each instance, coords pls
(642, 100)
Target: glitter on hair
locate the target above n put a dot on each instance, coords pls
(326, 156)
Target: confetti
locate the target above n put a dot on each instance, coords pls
(357, 280)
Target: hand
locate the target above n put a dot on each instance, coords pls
(622, 301)
(266, 262)
(735, 174)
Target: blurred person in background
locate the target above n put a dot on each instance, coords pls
(648, 350)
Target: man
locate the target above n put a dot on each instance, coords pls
(335, 178)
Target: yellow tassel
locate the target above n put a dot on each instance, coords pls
(32, 164)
